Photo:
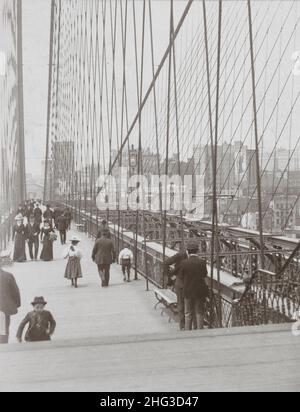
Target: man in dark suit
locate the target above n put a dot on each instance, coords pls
(62, 225)
(38, 214)
(10, 300)
(195, 290)
(33, 231)
(104, 255)
(48, 214)
(177, 274)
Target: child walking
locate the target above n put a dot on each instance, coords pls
(73, 270)
(126, 260)
(41, 323)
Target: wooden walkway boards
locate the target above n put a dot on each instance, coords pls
(113, 340)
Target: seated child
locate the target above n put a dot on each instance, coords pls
(41, 324)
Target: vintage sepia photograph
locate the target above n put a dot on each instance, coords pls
(149, 199)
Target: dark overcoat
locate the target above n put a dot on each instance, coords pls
(104, 252)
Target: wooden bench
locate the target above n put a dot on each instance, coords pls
(168, 299)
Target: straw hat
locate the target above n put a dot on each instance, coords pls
(75, 239)
(5, 259)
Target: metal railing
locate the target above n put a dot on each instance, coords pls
(6, 224)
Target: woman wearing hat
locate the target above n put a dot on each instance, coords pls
(47, 239)
(19, 237)
(73, 270)
(41, 324)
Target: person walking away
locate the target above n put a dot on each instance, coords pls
(41, 324)
(73, 270)
(68, 216)
(19, 238)
(176, 273)
(47, 239)
(194, 272)
(33, 232)
(126, 260)
(104, 255)
(62, 226)
(38, 214)
(10, 299)
(48, 214)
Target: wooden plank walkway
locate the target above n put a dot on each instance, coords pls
(113, 340)
(244, 359)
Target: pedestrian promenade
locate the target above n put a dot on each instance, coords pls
(89, 311)
(113, 340)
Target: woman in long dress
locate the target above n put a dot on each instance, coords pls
(73, 270)
(47, 240)
(19, 236)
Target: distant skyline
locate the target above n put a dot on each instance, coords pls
(36, 34)
(36, 30)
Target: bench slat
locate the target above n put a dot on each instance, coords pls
(167, 295)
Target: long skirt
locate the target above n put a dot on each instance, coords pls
(73, 269)
(36, 335)
(47, 251)
(19, 251)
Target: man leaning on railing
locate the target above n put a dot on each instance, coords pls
(10, 299)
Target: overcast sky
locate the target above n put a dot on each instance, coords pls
(36, 27)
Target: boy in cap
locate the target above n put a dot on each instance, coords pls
(10, 299)
(125, 260)
(73, 270)
(41, 324)
(33, 231)
(195, 290)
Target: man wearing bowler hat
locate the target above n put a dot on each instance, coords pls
(10, 299)
(175, 262)
(104, 255)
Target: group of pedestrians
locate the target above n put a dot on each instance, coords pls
(39, 323)
(104, 254)
(187, 272)
(35, 224)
